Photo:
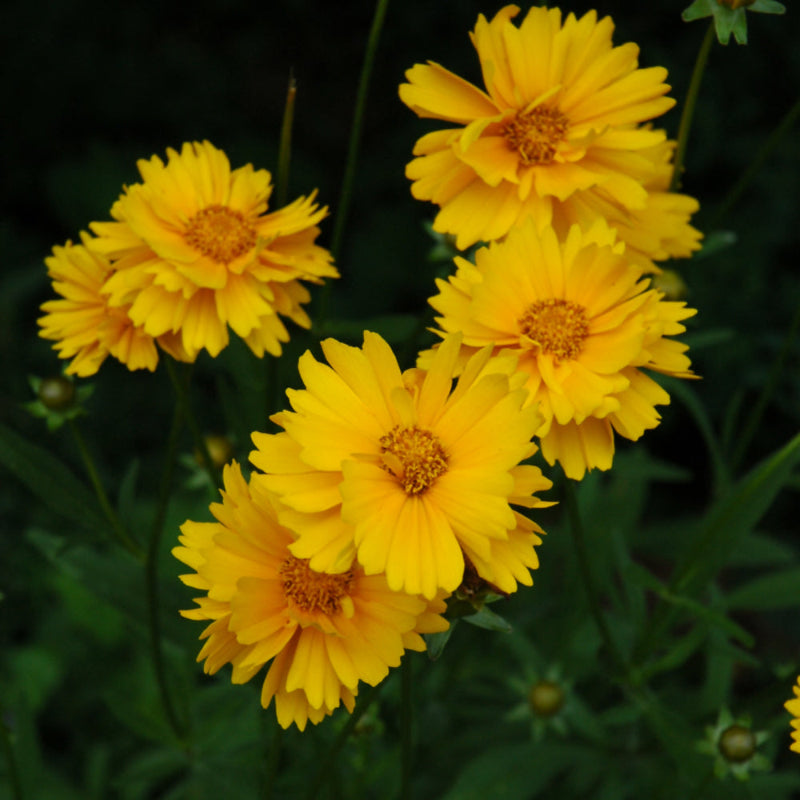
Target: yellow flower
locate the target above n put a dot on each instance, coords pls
(404, 472)
(793, 707)
(555, 134)
(583, 323)
(322, 633)
(194, 252)
(82, 323)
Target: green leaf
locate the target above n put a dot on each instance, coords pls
(50, 480)
(436, 641)
(513, 771)
(734, 516)
(698, 10)
(768, 592)
(714, 242)
(486, 618)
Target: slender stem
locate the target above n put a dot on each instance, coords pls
(587, 576)
(285, 150)
(358, 121)
(406, 732)
(756, 414)
(323, 774)
(689, 106)
(11, 762)
(784, 126)
(117, 528)
(182, 396)
(151, 574)
(271, 763)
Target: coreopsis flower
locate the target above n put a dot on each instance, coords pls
(405, 474)
(85, 327)
(584, 325)
(793, 707)
(556, 133)
(195, 252)
(323, 634)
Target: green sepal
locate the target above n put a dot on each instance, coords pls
(727, 20)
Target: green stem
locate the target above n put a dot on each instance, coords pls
(117, 528)
(757, 412)
(323, 774)
(689, 106)
(592, 595)
(285, 150)
(272, 761)
(151, 575)
(784, 126)
(358, 121)
(351, 159)
(406, 733)
(11, 762)
(182, 397)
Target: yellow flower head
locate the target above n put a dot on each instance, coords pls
(556, 130)
(82, 323)
(583, 324)
(322, 633)
(405, 473)
(194, 252)
(793, 707)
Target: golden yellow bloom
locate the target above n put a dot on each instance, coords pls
(322, 633)
(584, 325)
(556, 135)
(82, 323)
(405, 473)
(194, 252)
(793, 707)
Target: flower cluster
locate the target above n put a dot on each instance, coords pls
(192, 252)
(383, 493)
(557, 166)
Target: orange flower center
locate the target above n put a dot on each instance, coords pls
(559, 327)
(220, 233)
(314, 591)
(535, 134)
(414, 456)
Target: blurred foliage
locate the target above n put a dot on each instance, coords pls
(91, 87)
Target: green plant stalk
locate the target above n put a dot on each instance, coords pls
(271, 763)
(783, 127)
(117, 528)
(11, 762)
(689, 105)
(757, 412)
(351, 159)
(151, 575)
(285, 149)
(592, 595)
(406, 730)
(182, 397)
(322, 776)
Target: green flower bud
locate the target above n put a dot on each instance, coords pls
(546, 698)
(57, 393)
(734, 4)
(737, 744)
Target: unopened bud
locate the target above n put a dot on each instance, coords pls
(56, 393)
(546, 698)
(737, 744)
(734, 4)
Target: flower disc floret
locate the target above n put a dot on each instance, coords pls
(404, 474)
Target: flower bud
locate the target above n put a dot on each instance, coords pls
(734, 4)
(546, 698)
(220, 450)
(57, 393)
(737, 744)
(671, 284)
